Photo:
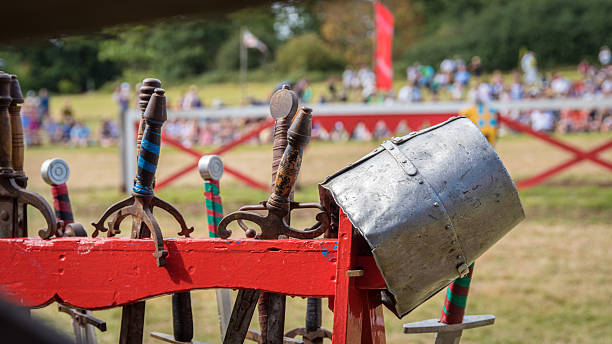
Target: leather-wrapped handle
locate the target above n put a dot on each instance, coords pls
(146, 91)
(16, 126)
(148, 156)
(182, 317)
(61, 203)
(456, 298)
(313, 314)
(289, 168)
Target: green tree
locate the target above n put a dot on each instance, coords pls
(71, 63)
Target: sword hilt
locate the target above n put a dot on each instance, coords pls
(313, 314)
(5, 124)
(148, 155)
(16, 127)
(283, 107)
(182, 317)
(146, 91)
(211, 170)
(55, 172)
(298, 136)
(456, 299)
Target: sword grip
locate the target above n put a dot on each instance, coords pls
(456, 299)
(16, 126)
(61, 203)
(298, 136)
(146, 91)
(313, 314)
(281, 127)
(5, 123)
(148, 156)
(214, 207)
(182, 317)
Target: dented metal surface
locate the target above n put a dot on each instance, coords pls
(428, 204)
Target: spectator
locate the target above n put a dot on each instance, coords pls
(191, 100)
(476, 66)
(604, 55)
(109, 133)
(80, 135)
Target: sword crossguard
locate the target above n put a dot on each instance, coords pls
(310, 337)
(82, 317)
(140, 208)
(273, 224)
(9, 189)
(140, 205)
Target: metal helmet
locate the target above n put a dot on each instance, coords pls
(428, 204)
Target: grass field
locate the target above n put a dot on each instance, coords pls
(548, 281)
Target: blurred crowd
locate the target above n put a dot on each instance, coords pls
(40, 127)
(454, 80)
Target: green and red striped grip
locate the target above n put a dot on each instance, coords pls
(61, 203)
(456, 299)
(214, 207)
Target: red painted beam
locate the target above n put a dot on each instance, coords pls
(98, 273)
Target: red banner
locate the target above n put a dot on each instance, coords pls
(384, 42)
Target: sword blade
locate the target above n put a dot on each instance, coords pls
(224, 307)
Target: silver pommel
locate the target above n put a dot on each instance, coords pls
(55, 171)
(210, 167)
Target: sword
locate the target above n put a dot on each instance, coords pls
(13, 196)
(211, 170)
(283, 107)
(17, 152)
(313, 333)
(450, 327)
(273, 224)
(55, 172)
(140, 207)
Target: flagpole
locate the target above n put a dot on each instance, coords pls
(243, 67)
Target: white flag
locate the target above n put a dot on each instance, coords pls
(250, 41)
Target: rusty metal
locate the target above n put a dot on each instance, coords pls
(83, 323)
(312, 333)
(275, 224)
(14, 198)
(255, 336)
(272, 224)
(140, 205)
(271, 306)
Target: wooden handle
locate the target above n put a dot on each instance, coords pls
(61, 203)
(16, 126)
(5, 124)
(146, 91)
(289, 168)
(148, 156)
(182, 317)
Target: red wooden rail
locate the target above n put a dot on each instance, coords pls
(106, 272)
(579, 155)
